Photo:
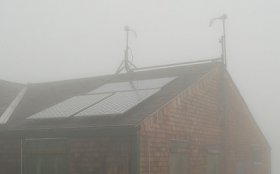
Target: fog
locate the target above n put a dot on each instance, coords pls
(47, 40)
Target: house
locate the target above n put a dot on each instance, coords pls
(180, 119)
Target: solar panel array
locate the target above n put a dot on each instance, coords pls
(109, 99)
(69, 107)
(118, 103)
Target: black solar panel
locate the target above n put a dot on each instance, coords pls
(118, 103)
(69, 107)
(109, 99)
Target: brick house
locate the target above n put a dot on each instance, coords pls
(187, 119)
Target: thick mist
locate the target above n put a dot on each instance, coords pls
(47, 40)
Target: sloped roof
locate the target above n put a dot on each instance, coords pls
(41, 96)
(8, 91)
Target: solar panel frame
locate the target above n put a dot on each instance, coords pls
(117, 104)
(69, 107)
(133, 85)
(109, 99)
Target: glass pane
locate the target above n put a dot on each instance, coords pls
(179, 158)
(45, 157)
(213, 166)
(178, 163)
(47, 164)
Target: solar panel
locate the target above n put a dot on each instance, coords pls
(118, 103)
(109, 99)
(129, 86)
(69, 107)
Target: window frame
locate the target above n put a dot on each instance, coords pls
(58, 146)
(180, 150)
(213, 151)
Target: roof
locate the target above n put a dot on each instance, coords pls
(41, 96)
(8, 91)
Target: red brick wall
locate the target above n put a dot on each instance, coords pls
(243, 135)
(10, 156)
(197, 116)
(99, 155)
(193, 116)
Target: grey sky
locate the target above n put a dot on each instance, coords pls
(46, 40)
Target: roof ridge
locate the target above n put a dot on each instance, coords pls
(179, 64)
(140, 69)
(9, 83)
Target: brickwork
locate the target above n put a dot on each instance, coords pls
(243, 135)
(203, 116)
(99, 155)
(194, 117)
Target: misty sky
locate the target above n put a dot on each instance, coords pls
(47, 40)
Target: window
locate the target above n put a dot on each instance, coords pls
(45, 157)
(213, 160)
(240, 167)
(257, 155)
(178, 157)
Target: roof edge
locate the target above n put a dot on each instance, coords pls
(204, 61)
(141, 69)
(230, 80)
(4, 118)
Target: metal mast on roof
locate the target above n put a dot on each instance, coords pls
(223, 37)
(126, 64)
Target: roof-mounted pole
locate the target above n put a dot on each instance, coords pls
(126, 63)
(223, 37)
